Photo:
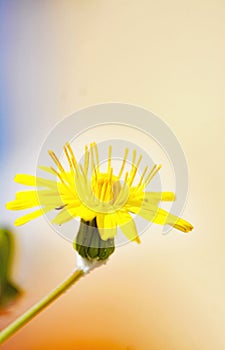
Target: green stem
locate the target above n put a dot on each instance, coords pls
(41, 305)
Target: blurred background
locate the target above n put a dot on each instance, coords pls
(167, 56)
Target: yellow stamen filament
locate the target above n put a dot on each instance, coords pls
(109, 157)
(73, 159)
(152, 173)
(61, 167)
(142, 176)
(120, 195)
(125, 180)
(82, 171)
(59, 176)
(106, 190)
(135, 170)
(93, 160)
(124, 163)
(96, 156)
(103, 191)
(133, 159)
(86, 160)
(56, 160)
(68, 158)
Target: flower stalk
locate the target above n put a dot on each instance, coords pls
(40, 306)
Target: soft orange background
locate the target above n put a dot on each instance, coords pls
(167, 56)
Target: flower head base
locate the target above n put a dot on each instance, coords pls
(104, 200)
(88, 242)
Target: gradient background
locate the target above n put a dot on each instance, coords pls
(167, 56)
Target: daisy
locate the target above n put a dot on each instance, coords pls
(103, 200)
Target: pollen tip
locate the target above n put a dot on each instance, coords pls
(137, 240)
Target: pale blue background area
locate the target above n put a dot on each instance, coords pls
(6, 139)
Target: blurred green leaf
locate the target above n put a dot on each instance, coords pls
(8, 290)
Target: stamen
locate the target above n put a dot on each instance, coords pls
(82, 171)
(106, 190)
(73, 159)
(109, 157)
(93, 160)
(56, 160)
(142, 176)
(133, 158)
(110, 176)
(86, 160)
(125, 179)
(59, 176)
(96, 156)
(135, 170)
(152, 173)
(124, 182)
(124, 162)
(68, 158)
(103, 191)
(120, 195)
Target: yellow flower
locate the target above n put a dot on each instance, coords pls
(86, 192)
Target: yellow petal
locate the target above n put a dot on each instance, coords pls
(162, 217)
(33, 181)
(82, 211)
(20, 205)
(30, 199)
(28, 217)
(63, 216)
(23, 179)
(106, 225)
(159, 196)
(128, 227)
(47, 169)
(139, 198)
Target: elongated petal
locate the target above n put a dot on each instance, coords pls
(106, 225)
(23, 179)
(33, 181)
(28, 217)
(159, 196)
(30, 199)
(128, 227)
(62, 217)
(82, 211)
(47, 169)
(20, 205)
(140, 198)
(162, 217)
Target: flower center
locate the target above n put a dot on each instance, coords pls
(106, 187)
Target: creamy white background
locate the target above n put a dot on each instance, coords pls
(168, 57)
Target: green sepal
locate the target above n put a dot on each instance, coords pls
(93, 250)
(8, 290)
(106, 249)
(88, 242)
